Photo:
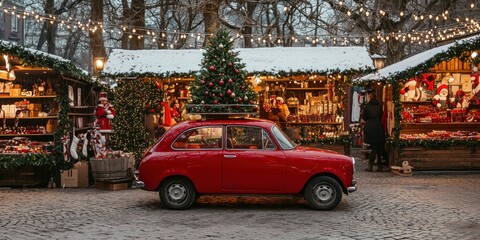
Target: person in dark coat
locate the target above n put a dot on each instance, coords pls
(374, 133)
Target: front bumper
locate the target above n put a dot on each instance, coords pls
(353, 186)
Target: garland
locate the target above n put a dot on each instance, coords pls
(9, 161)
(438, 144)
(343, 139)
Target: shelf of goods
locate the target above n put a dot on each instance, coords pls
(316, 115)
(29, 119)
(433, 138)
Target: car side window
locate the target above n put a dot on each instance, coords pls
(244, 137)
(200, 138)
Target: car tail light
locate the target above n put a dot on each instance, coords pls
(353, 164)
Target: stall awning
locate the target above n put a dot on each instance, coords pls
(128, 63)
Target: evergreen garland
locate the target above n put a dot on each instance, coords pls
(64, 127)
(129, 133)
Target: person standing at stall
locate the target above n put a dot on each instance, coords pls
(374, 133)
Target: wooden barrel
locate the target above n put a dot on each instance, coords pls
(109, 168)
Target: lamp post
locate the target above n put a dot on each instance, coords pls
(378, 61)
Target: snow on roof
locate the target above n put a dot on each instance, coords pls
(296, 59)
(411, 62)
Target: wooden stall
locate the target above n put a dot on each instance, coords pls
(42, 98)
(435, 112)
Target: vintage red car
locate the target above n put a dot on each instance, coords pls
(241, 156)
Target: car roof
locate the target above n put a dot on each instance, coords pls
(227, 121)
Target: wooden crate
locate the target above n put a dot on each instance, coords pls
(113, 185)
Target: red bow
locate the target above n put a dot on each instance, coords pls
(428, 80)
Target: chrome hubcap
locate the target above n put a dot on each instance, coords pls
(177, 192)
(324, 193)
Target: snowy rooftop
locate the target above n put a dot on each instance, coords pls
(274, 60)
(411, 62)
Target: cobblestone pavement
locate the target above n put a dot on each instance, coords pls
(428, 205)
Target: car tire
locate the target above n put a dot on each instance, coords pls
(323, 193)
(177, 193)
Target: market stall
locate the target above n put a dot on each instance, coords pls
(433, 118)
(43, 97)
(313, 82)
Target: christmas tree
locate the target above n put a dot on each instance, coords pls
(221, 85)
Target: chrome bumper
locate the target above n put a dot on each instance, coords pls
(353, 187)
(137, 183)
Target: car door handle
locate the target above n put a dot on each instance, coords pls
(229, 156)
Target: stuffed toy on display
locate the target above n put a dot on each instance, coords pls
(461, 100)
(104, 113)
(475, 88)
(410, 92)
(441, 99)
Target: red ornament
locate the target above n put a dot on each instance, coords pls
(203, 82)
(239, 99)
(151, 110)
(229, 92)
(221, 95)
(158, 85)
(221, 82)
(206, 93)
(230, 80)
(212, 68)
(215, 102)
(230, 64)
(210, 84)
(236, 71)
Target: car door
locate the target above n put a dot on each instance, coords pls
(252, 163)
(198, 155)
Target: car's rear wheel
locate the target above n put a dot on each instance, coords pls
(323, 193)
(177, 193)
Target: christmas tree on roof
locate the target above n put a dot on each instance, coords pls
(221, 86)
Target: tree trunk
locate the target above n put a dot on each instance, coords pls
(50, 27)
(210, 16)
(96, 37)
(138, 21)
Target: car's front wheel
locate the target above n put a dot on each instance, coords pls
(323, 193)
(177, 193)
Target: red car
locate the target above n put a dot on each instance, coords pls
(241, 156)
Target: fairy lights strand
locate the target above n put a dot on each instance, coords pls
(468, 25)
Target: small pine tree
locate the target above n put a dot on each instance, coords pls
(221, 85)
(129, 133)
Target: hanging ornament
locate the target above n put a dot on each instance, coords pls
(203, 82)
(229, 92)
(210, 84)
(221, 95)
(245, 98)
(239, 99)
(223, 59)
(203, 102)
(215, 102)
(232, 95)
(236, 71)
(230, 64)
(206, 93)
(220, 46)
(221, 82)
(212, 68)
(230, 80)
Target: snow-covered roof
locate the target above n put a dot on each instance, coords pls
(43, 59)
(274, 60)
(412, 62)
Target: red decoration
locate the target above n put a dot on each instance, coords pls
(203, 82)
(212, 68)
(210, 84)
(221, 82)
(229, 92)
(230, 80)
(206, 93)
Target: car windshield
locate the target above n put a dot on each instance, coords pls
(285, 142)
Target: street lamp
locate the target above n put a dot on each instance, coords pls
(378, 61)
(98, 64)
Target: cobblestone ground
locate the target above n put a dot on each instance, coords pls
(428, 205)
